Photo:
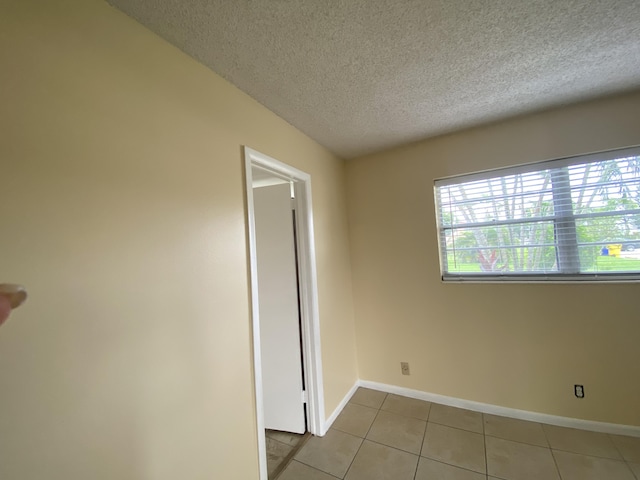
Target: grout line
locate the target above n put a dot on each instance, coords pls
(347, 433)
(424, 435)
(289, 457)
(365, 435)
(415, 471)
(394, 448)
(457, 428)
(374, 419)
(546, 437)
(333, 427)
(620, 459)
(430, 410)
(591, 456)
(486, 455)
(406, 415)
(521, 443)
(632, 471)
(354, 457)
(555, 462)
(616, 447)
(466, 469)
(363, 405)
(314, 468)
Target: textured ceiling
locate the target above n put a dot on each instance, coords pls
(363, 75)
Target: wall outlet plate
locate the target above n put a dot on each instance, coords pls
(578, 390)
(404, 367)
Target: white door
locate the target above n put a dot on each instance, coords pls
(278, 309)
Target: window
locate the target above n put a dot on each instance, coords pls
(571, 219)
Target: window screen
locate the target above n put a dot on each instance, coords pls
(570, 219)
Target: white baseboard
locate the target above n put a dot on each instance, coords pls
(603, 427)
(329, 421)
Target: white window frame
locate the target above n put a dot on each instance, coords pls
(567, 240)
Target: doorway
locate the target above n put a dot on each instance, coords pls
(279, 196)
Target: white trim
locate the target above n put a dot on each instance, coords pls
(308, 296)
(613, 428)
(340, 407)
(268, 182)
(257, 364)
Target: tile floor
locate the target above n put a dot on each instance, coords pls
(281, 447)
(383, 436)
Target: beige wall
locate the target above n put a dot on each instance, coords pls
(122, 210)
(520, 346)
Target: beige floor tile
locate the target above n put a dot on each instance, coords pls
(368, 397)
(291, 439)
(456, 417)
(355, 419)
(629, 447)
(299, 471)
(514, 429)
(581, 441)
(398, 431)
(332, 453)
(378, 462)
(276, 453)
(432, 470)
(407, 406)
(454, 446)
(574, 466)
(518, 461)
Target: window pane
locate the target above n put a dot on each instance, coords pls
(609, 244)
(578, 216)
(605, 186)
(514, 197)
(521, 248)
(609, 259)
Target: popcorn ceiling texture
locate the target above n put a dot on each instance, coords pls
(359, 76)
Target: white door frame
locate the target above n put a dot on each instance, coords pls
(308, 296)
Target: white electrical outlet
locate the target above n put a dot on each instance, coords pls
(578, 390)
(404, 366)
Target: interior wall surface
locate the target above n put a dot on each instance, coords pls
(122, 207)
(522, 346)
